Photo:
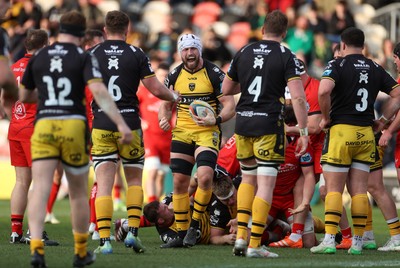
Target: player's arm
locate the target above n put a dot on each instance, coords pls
(159, 90)
(5, 108)
(107, 104)
(228, 108)
(387, 134)
(165, 114)
(230, 87)
(7, 82)
(218, 237)
(312, 125)
(324, 99)
(300, 110)
(28, 96)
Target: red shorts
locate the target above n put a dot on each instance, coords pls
(317, 149)
(20, 153)
(156, 146)
(281, 204)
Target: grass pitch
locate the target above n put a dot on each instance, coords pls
(199, 256)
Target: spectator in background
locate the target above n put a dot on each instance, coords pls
(281, 5)
(300, 39)
(257, 19)
(93, 15)
(214, 48)
(321, 54)
(340, 19)
(315, 22)
(29, 17)
(51, 18)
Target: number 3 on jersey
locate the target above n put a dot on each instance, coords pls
(255, 88)
(114, 89)
(361, 107)
(64, 86)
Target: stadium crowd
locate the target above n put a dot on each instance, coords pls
(221, 48)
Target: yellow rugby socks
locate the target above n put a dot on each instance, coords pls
(245, 197)
(260, 213)
(104, 212)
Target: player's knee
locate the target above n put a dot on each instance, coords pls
(249, 169)
(322, 192)
(206, 158)
(152, 163)
(181, 166)
(267, 169)
(133, 163)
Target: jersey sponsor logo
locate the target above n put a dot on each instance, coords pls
(75, 157)
(188, 100)
(113, 51)
(19, 110)
(263, 152)
(283, 168)
(359, 135)
(326, 72)
(262, 50)
(306, 158)
(134, 152)
(251, 114)
(215, 69)
(57, 51)
(358, 143)
(361, 64)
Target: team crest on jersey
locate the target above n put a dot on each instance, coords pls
(192, 86)
(258, 62)
(363, 78)
(113, 63)
(19, 110)
(56, 64)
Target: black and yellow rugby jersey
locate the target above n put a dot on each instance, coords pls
(60, 73)
(204, 84)
(220, 214)
(167, 233)
(122, 66)
(263, 70)
(357, 83)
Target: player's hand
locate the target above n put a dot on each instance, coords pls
(385, 138)
(302, 144)
(230, 239)
(302, 207)
(208, 120)
(176, 95)
(164, 124)
(324, 124)
(232, 224)
(126, 134)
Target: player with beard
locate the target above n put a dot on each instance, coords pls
(195, 141)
